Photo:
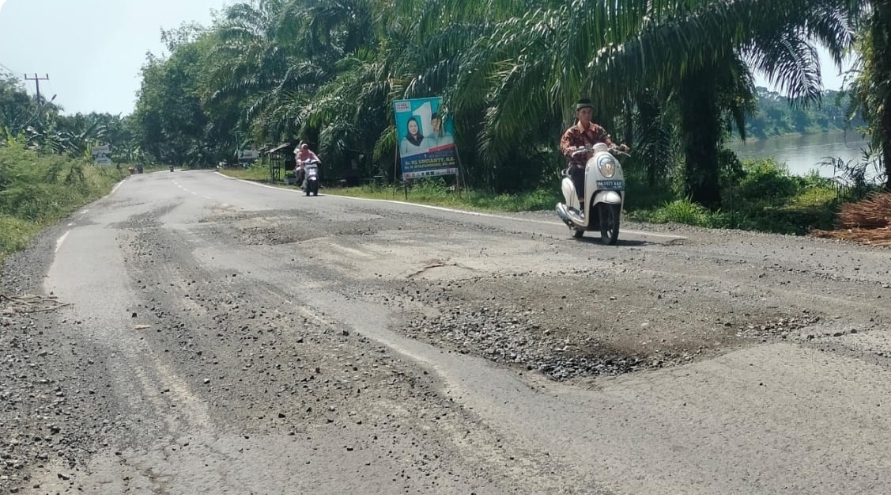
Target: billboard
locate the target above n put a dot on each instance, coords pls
(426, 141)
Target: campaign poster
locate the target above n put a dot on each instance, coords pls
(426, 141)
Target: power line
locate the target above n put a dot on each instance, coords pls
(8, 69)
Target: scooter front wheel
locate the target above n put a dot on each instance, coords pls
(609, 223)
(577, 233)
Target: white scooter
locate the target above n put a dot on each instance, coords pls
(311, 178)
(604, 196)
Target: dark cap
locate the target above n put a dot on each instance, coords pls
(583, 103)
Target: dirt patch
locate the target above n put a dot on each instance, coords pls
(275, 228)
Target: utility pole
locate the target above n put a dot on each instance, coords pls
(37, 82)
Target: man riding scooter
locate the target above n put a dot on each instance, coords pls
(584, 134)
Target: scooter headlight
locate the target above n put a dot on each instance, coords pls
(607, 166)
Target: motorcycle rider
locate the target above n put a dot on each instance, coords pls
(583, 134)
(303, 154)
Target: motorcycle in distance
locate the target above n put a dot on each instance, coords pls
(171, 168)
(311, 177)
(604, 196)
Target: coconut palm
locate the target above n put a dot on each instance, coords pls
(274, 55)
(249, 62)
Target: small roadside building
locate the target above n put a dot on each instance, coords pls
(282, 163)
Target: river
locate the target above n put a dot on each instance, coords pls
(804, 153)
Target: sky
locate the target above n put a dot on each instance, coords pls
(92, 50)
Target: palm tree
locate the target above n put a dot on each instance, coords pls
(523, 68)
(704, 52)
(454, 49)
(274, 55)
(256, 64)
(871, 89)
(510, 70)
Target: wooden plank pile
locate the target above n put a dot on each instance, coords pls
(866, 222)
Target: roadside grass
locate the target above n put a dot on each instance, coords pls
(15, 234)
(435, 193)
(762, 196)
(36, 191)
(256, 172)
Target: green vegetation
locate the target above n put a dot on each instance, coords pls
(871, 89)
(41, 127)
(759, 195)
(671, 79)
(36, 191)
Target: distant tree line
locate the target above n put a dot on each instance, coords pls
(41, 126)
(777, 115)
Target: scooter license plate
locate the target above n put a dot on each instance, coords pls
(611, 185)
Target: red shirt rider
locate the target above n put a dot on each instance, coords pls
(583, 133)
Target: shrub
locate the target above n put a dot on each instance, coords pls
(766, 182)
(683, 211)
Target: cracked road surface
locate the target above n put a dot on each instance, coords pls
(192, 333)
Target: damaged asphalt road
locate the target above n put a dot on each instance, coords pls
(192, 333)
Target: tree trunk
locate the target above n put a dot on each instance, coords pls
(700, 132)
(628, 135)
(882, 54)
(885, 139)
